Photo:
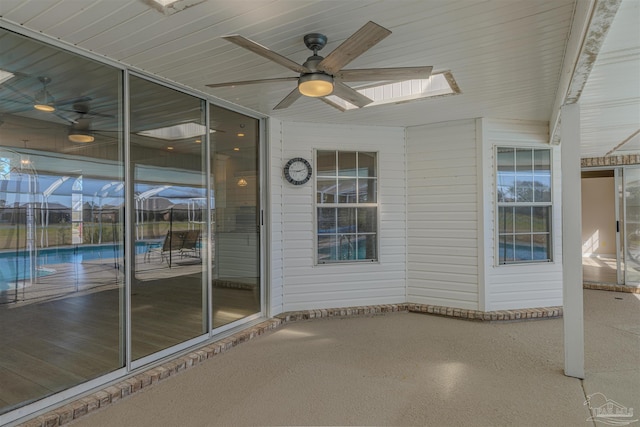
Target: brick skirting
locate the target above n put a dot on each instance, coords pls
(111, 394)
(611, 287)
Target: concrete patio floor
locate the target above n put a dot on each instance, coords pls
(403, 369)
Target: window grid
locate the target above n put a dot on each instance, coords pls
(524, 213)
(346, 206)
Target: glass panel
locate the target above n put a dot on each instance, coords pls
(367, 220)
(167, 295)
(346, 163)
(326, 190)
(505, 252)
(523, 219)
(541, 247)
(524, 160)
(327, 249)
(506, 180)
(542, 160)
(542, 219)
(326, 163)
(505, 220)
(347, 249)
(346, 220)
(235, 286)
(367, 165)
(61, 222)
(347, 190)
(523, 248)
(327, 220)
(506, 159)
(632, 225)
(542, 186)
(367, 190)
(367, 246)
(542, 175)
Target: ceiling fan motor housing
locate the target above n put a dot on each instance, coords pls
(315, 41)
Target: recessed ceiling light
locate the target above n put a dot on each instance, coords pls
(198, 141)
(240, 134)
(236, 148)
(169, 148)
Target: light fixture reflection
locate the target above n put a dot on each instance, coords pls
(242, 182)
(43, 100)
(80, 136)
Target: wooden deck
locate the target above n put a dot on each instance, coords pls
(67, 328)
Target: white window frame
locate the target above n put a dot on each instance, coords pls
(356, 204)
(498, 205)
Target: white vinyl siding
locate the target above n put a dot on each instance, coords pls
(305, 285)
(519, 285)
(442, 212)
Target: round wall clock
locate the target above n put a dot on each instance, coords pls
(297, 171)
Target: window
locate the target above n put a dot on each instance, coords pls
(523, 191)
(347, 206)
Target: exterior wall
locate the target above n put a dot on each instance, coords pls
(304, 284)
(442, 212)
(519, 285)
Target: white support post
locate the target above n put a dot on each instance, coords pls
(571, 242)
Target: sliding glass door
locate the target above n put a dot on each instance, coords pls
(631, 210)
(235, 265)
(168, 296)
(115, 249)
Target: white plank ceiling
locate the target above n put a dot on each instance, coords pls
(506, 55)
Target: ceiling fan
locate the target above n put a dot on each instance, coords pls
(43, 100)
(323, 76)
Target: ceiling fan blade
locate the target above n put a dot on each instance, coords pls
(265, 52)
(348, 94)
(288, 100)
(385, 74)
(359, 42)
(250, 82)
(72, 100)
(64, 117)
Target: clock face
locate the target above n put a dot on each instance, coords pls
(297, 171)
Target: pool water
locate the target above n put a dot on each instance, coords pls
(14, 265)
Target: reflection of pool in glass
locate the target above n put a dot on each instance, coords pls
(540, 253)
(14, 266)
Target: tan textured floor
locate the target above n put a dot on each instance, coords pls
(402, 369)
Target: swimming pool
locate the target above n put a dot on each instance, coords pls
(14, 265)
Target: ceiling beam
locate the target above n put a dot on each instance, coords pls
(591, 22)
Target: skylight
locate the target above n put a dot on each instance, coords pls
(5, 75)
(175, 132)
(439, 84)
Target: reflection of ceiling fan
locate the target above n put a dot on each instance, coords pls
(80, 129)
(43, 100)
(323, 76)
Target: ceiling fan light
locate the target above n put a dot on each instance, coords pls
(315, 84)
(80, 136)
(44, 102)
